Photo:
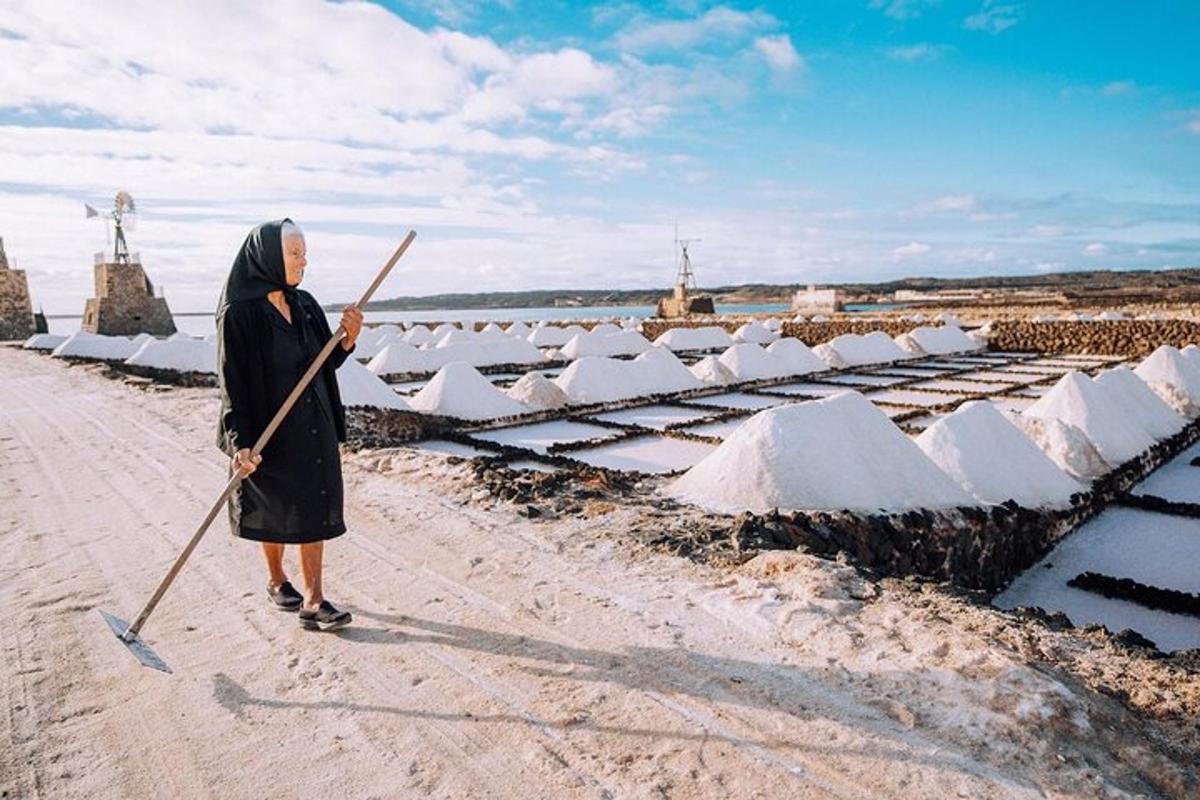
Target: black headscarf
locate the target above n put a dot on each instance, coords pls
(258, 267)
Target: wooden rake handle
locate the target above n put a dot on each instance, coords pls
(272, 426)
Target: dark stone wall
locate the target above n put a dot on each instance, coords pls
(125, 304)
(16, 312)
(1133, 338)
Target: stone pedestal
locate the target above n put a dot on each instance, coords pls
(16, 312)
(125, 304)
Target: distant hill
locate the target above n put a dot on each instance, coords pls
(1096, 280)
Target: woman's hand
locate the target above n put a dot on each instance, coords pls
(243, 463)
(352, 320)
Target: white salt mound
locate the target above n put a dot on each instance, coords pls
(92, 345)
(707, 338)
(44, 341)
(554, 336)
(755, 332)
(1077, 400)
(605, 328)
(518, 329)
(1173, 378)
(1191, 353)
(712, 372)
(796, 356)
(458, 390)
(1140, 402)
(874, 348)
(486, 353)
(1065, 445)
(456, 336)
(993, 460)
(444, 329)
(946, 318)
(606, 343)
(1110, 316)
(773, 324)
(594, 379)
(659, 371)
(837, 453)
(398, 358)
(537, 391)
(830, 356)
(361, 387)
(371, 344)
(941, 341)
(178, 355)
(750, 362)
(418, 335)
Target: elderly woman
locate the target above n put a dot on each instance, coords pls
(269, 332)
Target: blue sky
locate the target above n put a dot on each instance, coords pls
(551, 144)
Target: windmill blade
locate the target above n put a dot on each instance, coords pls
(91, 212)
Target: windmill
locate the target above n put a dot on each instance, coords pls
(122, 216)
(685, 277)
(681, 303)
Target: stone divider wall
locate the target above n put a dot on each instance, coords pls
(1131, 338)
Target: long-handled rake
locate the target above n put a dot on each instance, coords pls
(128, 634)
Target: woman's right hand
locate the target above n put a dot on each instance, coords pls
(243, 463)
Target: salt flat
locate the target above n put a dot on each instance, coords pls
(491, 656)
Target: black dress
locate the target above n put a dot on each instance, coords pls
(295, 494)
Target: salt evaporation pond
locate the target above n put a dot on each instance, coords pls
(541, 436)
(904, 397)
(956, 385)
(1155, 549)
(650, 454)
(1177, 481)
(655, 416)
(451, 449)
(720, 429)
(808, 389)
(738, 400)
(864, 380)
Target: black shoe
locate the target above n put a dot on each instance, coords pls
(285, 596)
(325, 618)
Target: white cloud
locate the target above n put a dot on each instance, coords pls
(1095, 249)
(717, 25)
(1047, 231)
(922, 51)
(903, 9)
(994, 17)
(779, 52)
(1116, 88)
(947, 203)
(911, 249)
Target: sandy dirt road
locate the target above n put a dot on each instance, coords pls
(492, 657)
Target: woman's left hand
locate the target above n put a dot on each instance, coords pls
(352, 320)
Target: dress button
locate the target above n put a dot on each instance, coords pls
(318, 461)
(322, 492)
(308, 399)
(313, 431)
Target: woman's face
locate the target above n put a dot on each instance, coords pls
(294, 260)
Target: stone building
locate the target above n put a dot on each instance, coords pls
(16, 311)
(814, 300)
(125, 304)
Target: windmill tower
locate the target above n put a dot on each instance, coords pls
(681, 303)
(16, 312)
(125, 303)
